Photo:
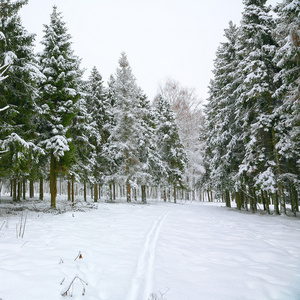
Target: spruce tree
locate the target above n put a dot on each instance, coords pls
(98, 110)
(287, 126)
(125, 130)
(18, 92)
(169, 145)
(60, 90)
(151, 165)
(260, 168)
(224, 149)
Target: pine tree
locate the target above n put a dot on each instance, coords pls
(169, 145)
(17, 92)
(60, 90)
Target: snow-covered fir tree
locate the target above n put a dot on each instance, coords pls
(60, 90)
(169, 146)
(253, 112)
(126, 130)
(81, 130)
(17, 92)
(260, 168)
(287, 126)
(99, 112)
(224, 149)
(151, 165)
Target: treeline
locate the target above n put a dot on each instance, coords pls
(56, 125)
(253, 114)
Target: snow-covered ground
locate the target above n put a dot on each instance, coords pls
(130, 251)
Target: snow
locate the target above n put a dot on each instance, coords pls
(130, 251)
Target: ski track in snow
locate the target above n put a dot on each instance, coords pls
(142, 282)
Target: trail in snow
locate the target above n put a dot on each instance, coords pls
(142, 282)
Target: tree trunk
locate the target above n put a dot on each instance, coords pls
(294, 199)
(128, 193)
(267, 199)
(144, 197)
(15, 189)
(84, 190)
(263, 199)
(11, 187)
(238, 200)
(73, 198)
(276, 204)
(135, 194)
(95, 192)
(31, 189)
(208, 196)
(227, 198)
(114, 191)
(174, 193)
(69, 190)
(41, 189)
(53, 178)
(19, 191)
(279, 184)
(24, 189)
(165, 195)
(110, 192)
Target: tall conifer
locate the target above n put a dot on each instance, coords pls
(60, 90)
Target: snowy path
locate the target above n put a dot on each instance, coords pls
(192, 251)
(142, 283)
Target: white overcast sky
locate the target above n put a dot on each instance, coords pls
(162, 38)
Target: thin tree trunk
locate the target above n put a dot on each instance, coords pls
(135, 194)
(53, 178)
(267, 202)
(84, 190)
(73, 198)
(69, 190)
(24, 189)
(165, 195)
(114, 191)
(174, 193)
(15, 189)
(263, 199)
(31, 190)
(128, 192)
(11, 188)
(238, 200)
(294, 200)
(95, 192)
(276, 204)
(279, 184)
(19, 190)
(41, 189)
(144, 197)
(208, 196)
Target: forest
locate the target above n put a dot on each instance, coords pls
(60, 131)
